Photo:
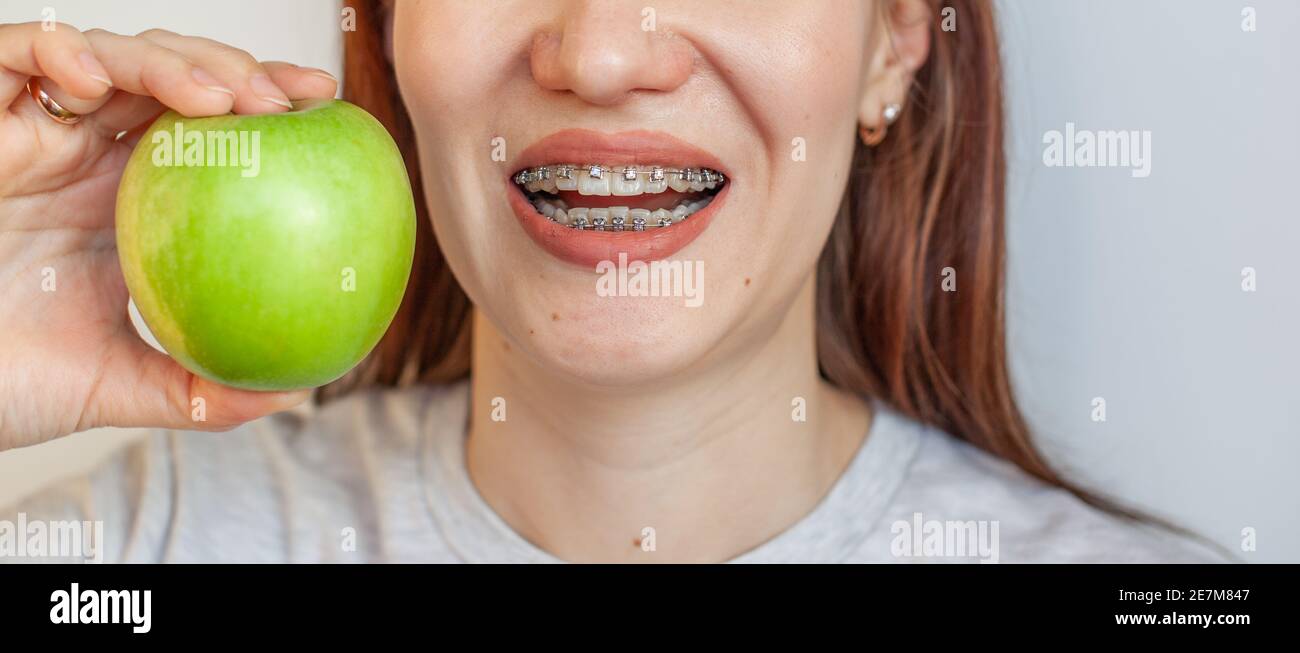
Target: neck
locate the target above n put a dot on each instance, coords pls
(703, 466)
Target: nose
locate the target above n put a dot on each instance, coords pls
(603, 51)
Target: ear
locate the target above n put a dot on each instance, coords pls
(899, 46)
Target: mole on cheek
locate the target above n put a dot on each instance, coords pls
(555, 317)
(746, 281)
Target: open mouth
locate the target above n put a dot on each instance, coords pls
(600, 197)
(588, 197)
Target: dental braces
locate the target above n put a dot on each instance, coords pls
(628, 173)
(616, 222)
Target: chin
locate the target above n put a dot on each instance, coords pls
(619, 341)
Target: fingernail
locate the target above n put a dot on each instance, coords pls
(321, 73)
(206, 80)
(267, 90)
(94, 69)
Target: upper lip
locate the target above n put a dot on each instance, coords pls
(639, 147)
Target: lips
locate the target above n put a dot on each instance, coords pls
(588, 247)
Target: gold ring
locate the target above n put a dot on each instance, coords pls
(52, 109)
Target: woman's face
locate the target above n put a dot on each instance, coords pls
(765, 92)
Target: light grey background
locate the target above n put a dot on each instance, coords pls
(1122, 288)
(1130, 289)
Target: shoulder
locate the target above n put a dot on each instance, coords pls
(951, 482)
(281, 488)
(361, 432)
(368, 426)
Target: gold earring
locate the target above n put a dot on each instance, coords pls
(872, 136)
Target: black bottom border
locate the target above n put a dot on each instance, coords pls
(317, 601)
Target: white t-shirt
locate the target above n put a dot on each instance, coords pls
(380, 476)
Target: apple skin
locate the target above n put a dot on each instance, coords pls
(244, 279)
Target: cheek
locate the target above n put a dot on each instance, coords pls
(802, 87)
(801, 73)
(440, 55)
(450, 60)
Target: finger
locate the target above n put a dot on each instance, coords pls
(123, 113)
(62, 54)
(141, 387)
(143, 67)
(301, 83)
(255, 92)
(70, 101)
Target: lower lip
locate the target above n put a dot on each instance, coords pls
(587, 248)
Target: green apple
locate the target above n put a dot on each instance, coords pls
(267, 252)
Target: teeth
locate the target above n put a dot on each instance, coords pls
(593, 182)
(539, 179)
(618, 215)
(626, 183)
(681, 182)
(618, 181)
(617, 218)
(640, 218)
(566, 178)
(655, 182)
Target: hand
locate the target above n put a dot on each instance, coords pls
(69, 357)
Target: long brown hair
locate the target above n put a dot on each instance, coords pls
(930, 197)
